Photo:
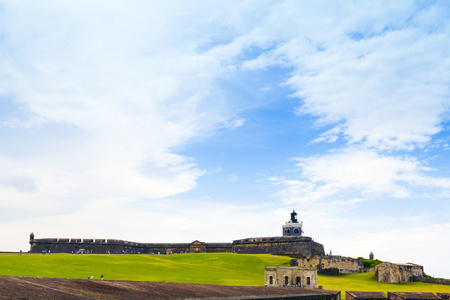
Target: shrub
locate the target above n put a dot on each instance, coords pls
(370, 263)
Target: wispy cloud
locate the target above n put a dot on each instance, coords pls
(99, 103)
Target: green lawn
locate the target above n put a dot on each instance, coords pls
(206, 268)
(367, 282)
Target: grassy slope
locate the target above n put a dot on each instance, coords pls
(220, 268)
(367, 282)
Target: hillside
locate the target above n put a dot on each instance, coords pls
(217, 269)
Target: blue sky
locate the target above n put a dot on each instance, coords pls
(176, 121)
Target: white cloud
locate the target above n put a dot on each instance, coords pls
(387, 90)
(130, 102)
(106, 95)
(356, 170)
(423, 245)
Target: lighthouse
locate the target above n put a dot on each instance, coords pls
(293, 227)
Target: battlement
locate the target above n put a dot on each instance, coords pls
(275, 239)
(293, 244)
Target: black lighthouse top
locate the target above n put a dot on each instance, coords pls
(293, 227)
(294, 217)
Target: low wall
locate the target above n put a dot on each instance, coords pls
(432, 280)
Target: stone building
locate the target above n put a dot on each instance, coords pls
(290, 276)
(398, 273)
(331, 265)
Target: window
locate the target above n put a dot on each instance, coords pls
(271, 280)
(308, 280)
(298, 281)
(286, 280)
(296, 231)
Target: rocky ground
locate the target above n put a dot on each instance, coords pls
(60, 288)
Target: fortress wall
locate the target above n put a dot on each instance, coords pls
(317, 249)
(69, 245)
(296, 246)
(219, 247)
(332, 265)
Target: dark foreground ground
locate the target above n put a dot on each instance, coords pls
(59, 288)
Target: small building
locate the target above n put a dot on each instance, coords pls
(358, 295)
(412, 296)
(197, 247)
(290, 276)
(398, 273)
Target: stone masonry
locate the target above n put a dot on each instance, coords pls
(331, 265)
(290, 276)
(398, 273)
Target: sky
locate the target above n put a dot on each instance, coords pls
(175, 121)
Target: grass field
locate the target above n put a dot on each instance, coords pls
(206, 268)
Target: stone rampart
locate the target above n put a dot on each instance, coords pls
(114, 246)
(331, 265)
(300, 246)
(297, 246)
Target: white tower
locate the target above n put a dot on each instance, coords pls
(292, 227)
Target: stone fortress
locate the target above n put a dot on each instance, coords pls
(309, 255)
(292, 243)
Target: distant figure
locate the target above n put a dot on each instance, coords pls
(20, 252)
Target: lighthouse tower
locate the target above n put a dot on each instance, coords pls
(292, 227)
